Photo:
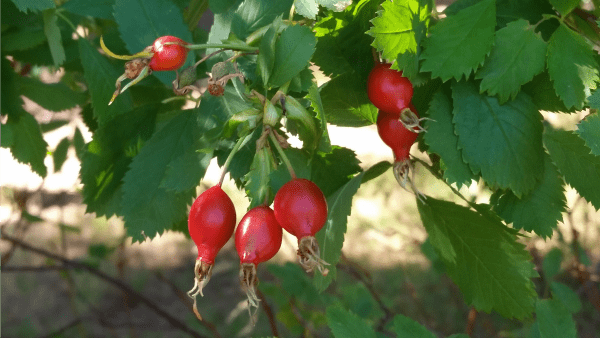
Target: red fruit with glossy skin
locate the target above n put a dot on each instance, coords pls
(301, 209)
(393, 133)
(169, 57)
(258, 236)
(257, 239)
(210, 223)
(388, 90)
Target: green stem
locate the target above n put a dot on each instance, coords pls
(222, 46)
(62, 16)
(236, 147)
(438, 176)
(287, 162)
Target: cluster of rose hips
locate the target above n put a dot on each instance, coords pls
(398, 122)
(299, 207)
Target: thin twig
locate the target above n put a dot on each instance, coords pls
(185, 299)
(134, 294)
(268, 311)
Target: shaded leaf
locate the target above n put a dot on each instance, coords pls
(502, 142)
(23, 38)
(405, 327)
(471, 29)
(579, 167)
(34, 6)
(538, 211)
(28, 145)
(53, 36)
(551, 263)
(52, 96)
(517, 56)
(254, 14)
(564, 6)
(317, 105)
(59, 155)
(571, 66)
(492, 270)
(346, 103)
(589, 130)
(442, 140)
(102, 9)
(566, 296)
(345, 324)
(293, 50)
(554, 320)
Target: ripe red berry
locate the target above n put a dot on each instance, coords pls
(388, 90)
(301, 209)
(210, 223)
(400, 136)
(393, 133)
(169, 57)
(257, 239)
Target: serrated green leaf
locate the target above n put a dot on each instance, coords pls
(502, 142)
(589, 130)
(517, 56)
(23, 38)
(395, 27)
(254, 14)
(571, 66)
(330, 171)
(52, 96)
(100, 76)
(541, 90)
(471, 29)
(376, 171)
(34, 6)
(538, 211)
(594, 100)
(102, 9)
(551, 263)
(492, 270)
(405, 327)
(11, 101)
(566, 296)
(6, 135)
(220, 6)
(303, 81)
(156, 18)
(331, 236)
(579, 167)
(304, 121)
(258, 188)
(78, 143)
(554, 320)
(59, 155)
(28, 145)
(178, 176)
(296, 283)
(106, 159)
(265, 60)
(442, 140)
(345, 324)
(564, 6)
(317, 105)
(148, 208)
(293, 51)
(346, 103)
(342, 46)
(53, 36)
(307, 8)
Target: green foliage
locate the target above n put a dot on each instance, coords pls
(442, 140)
(52, 96)
(293, 50)
(538, 211)
(553, 320)
(517, 56)
(27, 144)
(345, 324)
(471, 29)
(502, 142)
(572, 66)
(53, 35)
(479, 252)
(59, 156)
(589, 131)
(96, 9)
(579, 167)
(34, 6)
(405, 327)
(568, 297)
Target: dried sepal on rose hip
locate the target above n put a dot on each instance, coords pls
(397, 136)
(166, 53)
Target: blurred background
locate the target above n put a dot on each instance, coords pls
(138, 290)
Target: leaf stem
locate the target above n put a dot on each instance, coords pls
(222, 46)
(65, 19)
(437, 175)
(284, 158)
(235, 149)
